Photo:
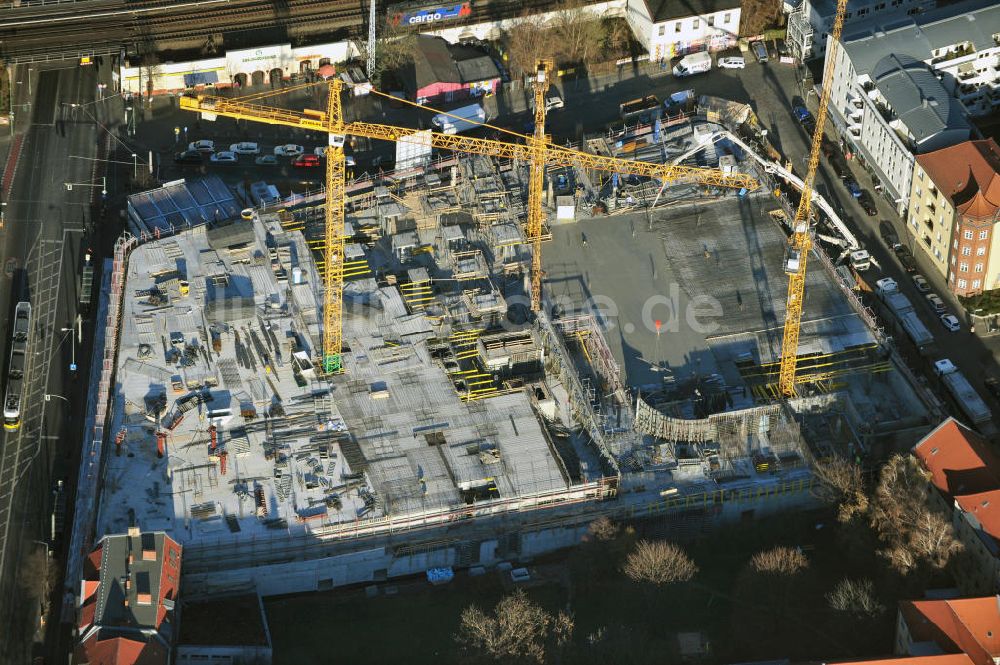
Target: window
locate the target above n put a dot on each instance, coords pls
(695, 23)
(962, 283)
(981, 251)
(953, 260)
(984, 234)
(976, 283)
(728, 17)
(979, 267)
(966, 251)
(967, 235)
(920, 193)
(677, 27)
(663, 30)
(711, 20)
(963, 267)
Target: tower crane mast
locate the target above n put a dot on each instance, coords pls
(800, 243)
(536, 184)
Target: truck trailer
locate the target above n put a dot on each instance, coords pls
(965, 396)
(460, 120)
(906, 316)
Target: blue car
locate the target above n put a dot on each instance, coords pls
(801, 113)
(853, 187)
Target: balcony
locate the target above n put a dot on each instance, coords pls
(960, 52)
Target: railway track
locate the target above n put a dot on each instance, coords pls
(58, 29)
(162, 23)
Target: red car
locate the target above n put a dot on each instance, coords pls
(306, 161)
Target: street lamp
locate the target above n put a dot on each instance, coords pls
(79, 331)
(135, 166)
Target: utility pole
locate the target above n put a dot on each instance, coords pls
(371, 39)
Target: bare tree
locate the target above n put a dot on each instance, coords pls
(579, 32)
(517, 631)
(840, 483)
(912, 530)
(395, 48)
(783, 561)
(602, 530)
(758, 15)
(855, 597)
(527, 43)
(659, 563)
(617, 37)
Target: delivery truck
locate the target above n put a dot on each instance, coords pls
(694, 63)
(906, 316)
(965, 396)
(459, 120)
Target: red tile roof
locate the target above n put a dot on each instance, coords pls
(946, 659)
(986, 507)
(958, 459)
(968, 625)
(119, 651)
(968, 174)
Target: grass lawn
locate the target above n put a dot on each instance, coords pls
(741, 616)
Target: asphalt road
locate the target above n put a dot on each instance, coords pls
(43, 234)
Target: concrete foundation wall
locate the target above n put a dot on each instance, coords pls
(380, 564)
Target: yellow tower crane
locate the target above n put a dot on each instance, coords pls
(536, 184)
(533, 150)
(801, 241)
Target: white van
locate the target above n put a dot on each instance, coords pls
(695, 63)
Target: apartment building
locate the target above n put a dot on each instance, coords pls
(960, 625)
(809, 24)
(905, 86)
(668, 28)
(965, 480)
(127, 602)
(954, 206)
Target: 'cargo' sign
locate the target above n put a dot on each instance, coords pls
(404, 16)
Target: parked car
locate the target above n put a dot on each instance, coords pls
(553, 101)
(189, 157)
(289, 150)
(888, 234)
(801, 113)
(840, 167)
(266, 160)
(950, 321)
(906, 258)
(852, 186)
(829, 148)
(759, 51)
(245, 148)
(224, 157)
(306, 161)
(992, 386)
(868, 203)
(921, 284)
(934, 300)
(203, 145)
(732, 62)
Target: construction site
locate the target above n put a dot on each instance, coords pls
(522, 348)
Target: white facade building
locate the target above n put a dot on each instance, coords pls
(254, 66)
(667, 28)
(809, 24)
(906, 86)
